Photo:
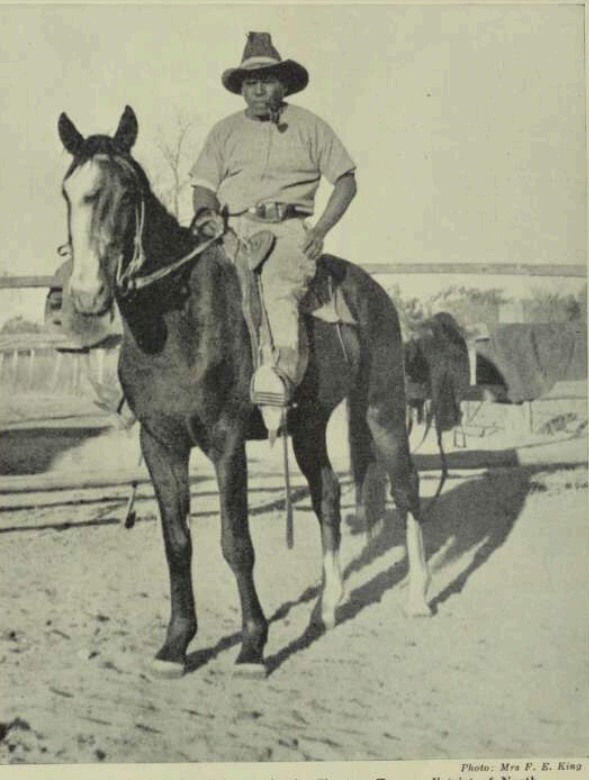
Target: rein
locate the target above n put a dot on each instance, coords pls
(128, 279)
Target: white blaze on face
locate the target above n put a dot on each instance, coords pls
(83, 189)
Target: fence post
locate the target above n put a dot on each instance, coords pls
(55, 377)
(14, 367)
(30, 372)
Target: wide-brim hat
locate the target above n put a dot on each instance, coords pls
(260, 55)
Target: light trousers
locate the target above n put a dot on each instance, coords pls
(286, 276)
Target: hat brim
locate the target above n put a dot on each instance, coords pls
(294, 76)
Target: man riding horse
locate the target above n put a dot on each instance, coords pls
(186, 369)
(261, 168)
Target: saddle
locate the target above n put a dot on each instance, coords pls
(324, 299)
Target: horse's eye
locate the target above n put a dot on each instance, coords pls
(92, 197)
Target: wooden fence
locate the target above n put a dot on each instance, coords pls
(42, 361)
(480, 269)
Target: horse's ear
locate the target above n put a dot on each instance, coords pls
(127, 130)
(70, 137)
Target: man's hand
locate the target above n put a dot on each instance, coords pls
(208, 224)
(312, 244)
(343, 193)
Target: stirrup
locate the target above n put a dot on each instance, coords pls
(269, 388)
(271, 393)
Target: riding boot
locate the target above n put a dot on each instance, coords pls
(280, 373)
(289, 366)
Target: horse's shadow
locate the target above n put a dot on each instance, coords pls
(470, 521)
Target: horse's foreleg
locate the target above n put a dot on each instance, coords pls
(169, 473)
(238, 551)
(310, 450)
(390, 437)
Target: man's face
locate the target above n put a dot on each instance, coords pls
(263, 94)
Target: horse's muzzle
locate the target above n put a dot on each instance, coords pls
(92, 304)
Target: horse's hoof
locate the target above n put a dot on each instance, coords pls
(251, 671)
(417, 610)
(131, 519)
(166, 670)
(322, 621)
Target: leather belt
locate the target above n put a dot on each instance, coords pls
(274, 212)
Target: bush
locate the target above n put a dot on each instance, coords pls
(468, 305)
(18, 324)
(471, 306)
(553, 307)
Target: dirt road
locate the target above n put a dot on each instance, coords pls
(499, 670)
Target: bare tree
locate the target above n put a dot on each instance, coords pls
(178, 149)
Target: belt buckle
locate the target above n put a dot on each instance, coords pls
(270, 212)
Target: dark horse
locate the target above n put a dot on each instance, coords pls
(436, 355)
(185, 366)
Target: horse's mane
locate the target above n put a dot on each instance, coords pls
(165, 239)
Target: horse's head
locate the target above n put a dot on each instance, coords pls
(104, 192)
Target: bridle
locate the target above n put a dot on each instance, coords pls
(128, 279)
(125, 276)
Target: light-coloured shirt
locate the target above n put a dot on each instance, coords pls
(246, 161)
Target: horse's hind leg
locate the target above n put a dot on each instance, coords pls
(169, 473)
(367, 473)
(310, 449)
(386, 421)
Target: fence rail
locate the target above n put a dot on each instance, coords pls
(479, 269)
(16, 282)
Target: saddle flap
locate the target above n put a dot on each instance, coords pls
(250, 254)
(325, 298)
(335, 310)
(259, 247)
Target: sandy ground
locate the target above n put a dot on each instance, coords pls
(499, 670)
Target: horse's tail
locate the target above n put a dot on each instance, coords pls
(443, 412)
(378, 436)
(445, 400)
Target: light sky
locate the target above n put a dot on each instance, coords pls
(467, 123)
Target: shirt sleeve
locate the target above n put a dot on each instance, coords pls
(208, 170)
(332, 156)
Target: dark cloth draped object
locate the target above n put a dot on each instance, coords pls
(532, 358)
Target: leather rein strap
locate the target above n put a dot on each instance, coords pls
(128, 279)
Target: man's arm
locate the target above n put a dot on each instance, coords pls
(207, 220)
(344, 191)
